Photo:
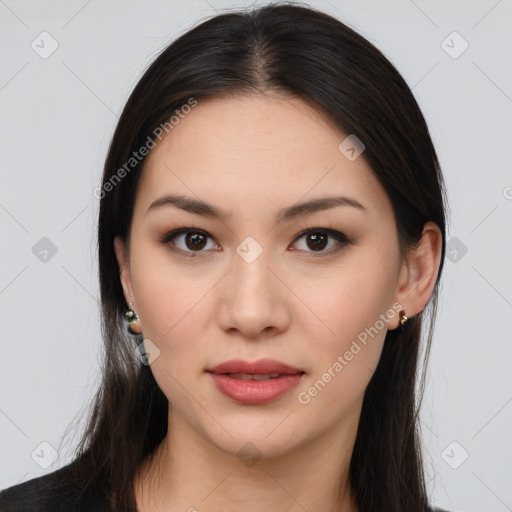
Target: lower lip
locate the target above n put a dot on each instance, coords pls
(255, 391)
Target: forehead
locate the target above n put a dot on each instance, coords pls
(242, 149)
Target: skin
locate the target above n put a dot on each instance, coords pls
(252, 155)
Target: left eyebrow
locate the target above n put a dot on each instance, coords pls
(317, 205)
(198, 207)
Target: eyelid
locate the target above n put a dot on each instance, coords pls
(340, 237)
(170, 235)
(335, 233)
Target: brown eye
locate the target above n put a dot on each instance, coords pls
(195, 240)
(188, 241)
(317, 240)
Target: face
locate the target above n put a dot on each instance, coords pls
(316, 290)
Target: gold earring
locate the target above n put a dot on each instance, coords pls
(132, 318)
(403, 318)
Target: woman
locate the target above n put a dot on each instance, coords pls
(272, 228)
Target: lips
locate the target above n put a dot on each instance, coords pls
(257, 382)
(262, 366)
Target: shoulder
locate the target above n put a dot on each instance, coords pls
(54, 492)
(26, 496)
(437, 509)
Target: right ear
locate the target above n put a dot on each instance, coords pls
(124, 267)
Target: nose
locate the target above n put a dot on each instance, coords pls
(253, 300)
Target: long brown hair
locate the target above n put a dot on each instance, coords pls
(313, 56)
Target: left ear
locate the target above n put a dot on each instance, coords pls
(419, 272)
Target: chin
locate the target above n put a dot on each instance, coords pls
(258, 441)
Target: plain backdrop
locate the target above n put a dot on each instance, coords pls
(67, 68)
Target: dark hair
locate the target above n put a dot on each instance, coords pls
(299, 51)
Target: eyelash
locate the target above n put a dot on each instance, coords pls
(341, 238)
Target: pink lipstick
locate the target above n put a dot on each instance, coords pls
(257, 382)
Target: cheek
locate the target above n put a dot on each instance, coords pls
(172, 317)
(168, 296)
(352, 298)
(354, 303)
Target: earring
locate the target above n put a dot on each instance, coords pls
(131, 317)
(403, 318)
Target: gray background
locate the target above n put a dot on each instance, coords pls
(57, 115)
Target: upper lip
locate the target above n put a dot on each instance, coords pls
(260, 366)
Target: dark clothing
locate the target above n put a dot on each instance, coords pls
(34, 496)
(53, 492)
